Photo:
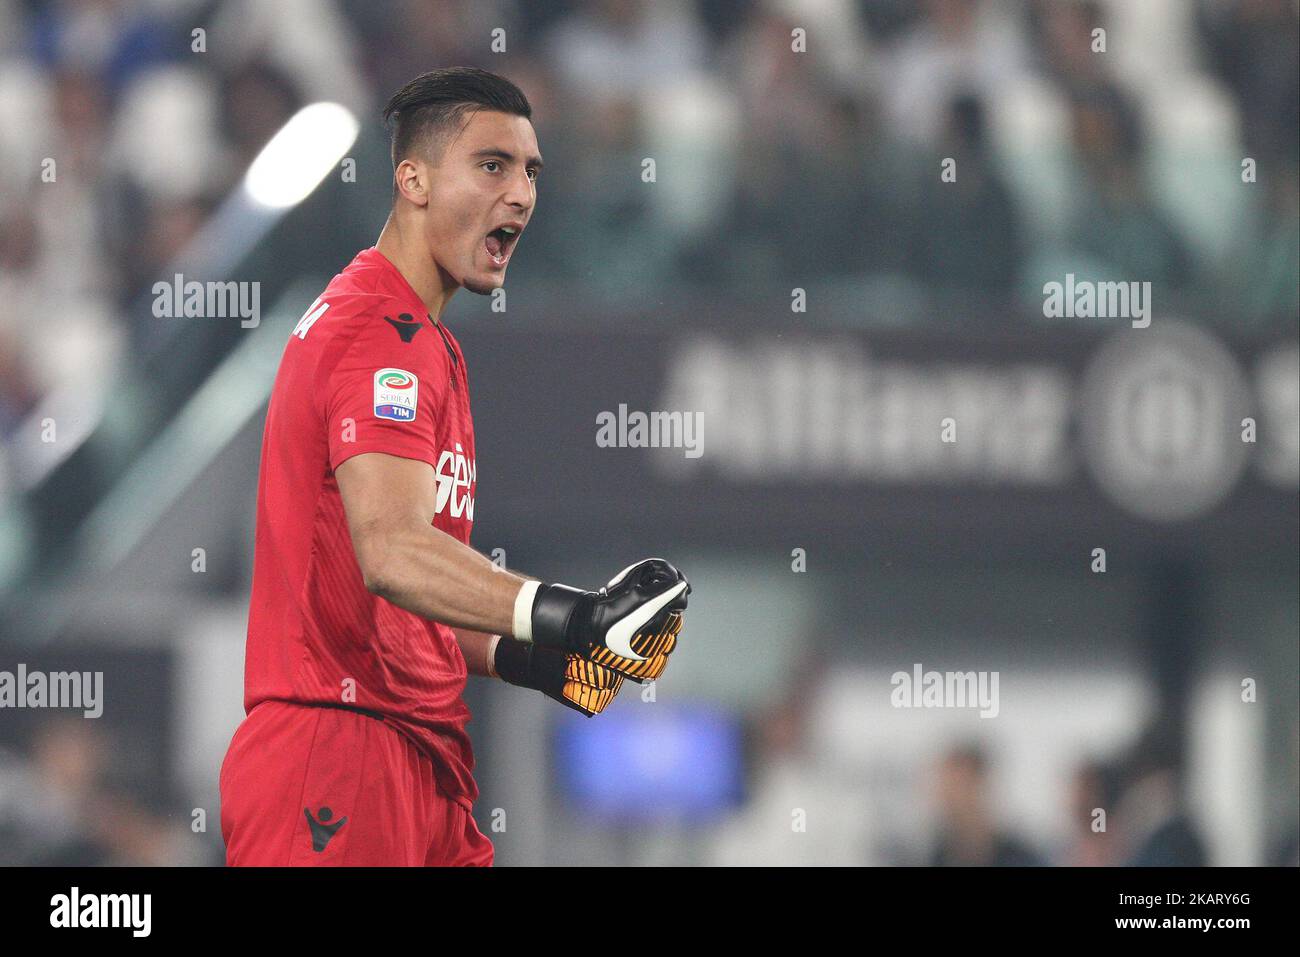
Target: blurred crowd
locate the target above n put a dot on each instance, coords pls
(123, 123)
(1130, 806)
(919, 160)
(61, 803)
(64, 803)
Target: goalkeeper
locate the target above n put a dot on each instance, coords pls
(369, 608)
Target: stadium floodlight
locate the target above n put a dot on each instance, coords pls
(300, 155)
(287, 170)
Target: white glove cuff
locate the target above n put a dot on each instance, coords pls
(524, 610)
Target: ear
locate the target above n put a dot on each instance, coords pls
(412, 179)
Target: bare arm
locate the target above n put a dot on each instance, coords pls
(477, 647)
(390, 504)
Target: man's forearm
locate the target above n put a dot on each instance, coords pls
(628, 627)
(431, 574)
(477, 648)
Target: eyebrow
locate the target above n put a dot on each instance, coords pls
(534, 161)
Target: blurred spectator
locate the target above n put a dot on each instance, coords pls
(113, 39)
(1116, 223)
(1286, 852)
(626, 49)
(958, 45)
(797, 814)
(63, 809)
(969, 834)
(781, 96)
(1156, 828)
(69, 758)
(833, 207)
(407, 37)
(1258, 282)
(1255, 46)
(597, 221)
(968, 236)
(162, 229)
(257, 99)
(308, 40)
(19, 297)
(1063, 48)
(1092, 788)
(70, 206)
(47, 806)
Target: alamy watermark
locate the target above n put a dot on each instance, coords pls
(653, 430)
(946, 689)
(131, 912)
(181, 299)
(1085, 299)
(53, 689)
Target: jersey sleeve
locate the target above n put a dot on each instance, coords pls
(384, 394)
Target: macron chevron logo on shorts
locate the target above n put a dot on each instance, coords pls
(396, 391)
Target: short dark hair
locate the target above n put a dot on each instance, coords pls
(433, 103)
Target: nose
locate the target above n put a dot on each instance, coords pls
(521, 191)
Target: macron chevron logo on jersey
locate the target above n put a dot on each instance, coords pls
(396, 392)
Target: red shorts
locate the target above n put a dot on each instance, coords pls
(315, 787)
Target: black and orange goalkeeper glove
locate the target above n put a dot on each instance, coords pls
(658, 643)
(630, 626)
(582, 685)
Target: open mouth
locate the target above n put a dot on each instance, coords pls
(500, 242)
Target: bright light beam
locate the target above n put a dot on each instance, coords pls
(300, 155)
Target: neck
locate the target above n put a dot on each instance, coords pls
(401, 247)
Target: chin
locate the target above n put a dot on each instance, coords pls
(484, 287)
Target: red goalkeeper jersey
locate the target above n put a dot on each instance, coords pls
(365, 370)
